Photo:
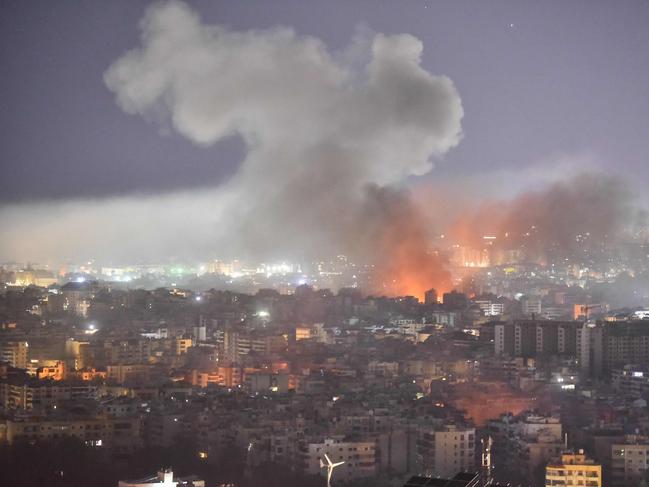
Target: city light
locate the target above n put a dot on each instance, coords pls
(246, 244)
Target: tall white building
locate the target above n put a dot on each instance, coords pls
(164, 478)
(446, 451)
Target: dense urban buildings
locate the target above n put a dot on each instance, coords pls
(309, 244)
(392, 387)
(573, 470)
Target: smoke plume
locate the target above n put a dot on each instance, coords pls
(579, 219)
(397, 242)
(327, 136)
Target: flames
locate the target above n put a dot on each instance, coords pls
(559, 223)
(412, 269)
(405, 263)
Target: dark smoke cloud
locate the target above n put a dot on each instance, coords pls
(319, 129)
(395, 235)
(580, 218)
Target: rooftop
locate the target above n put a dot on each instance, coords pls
(462, 479)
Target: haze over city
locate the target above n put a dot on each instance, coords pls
(368, 126)
(433, 199)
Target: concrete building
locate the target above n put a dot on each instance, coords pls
(448, 319)
(265, 382)
(590, 348)
(16, 353)
(490, 308)
(302, 332)
(631, 381)
(164, 428)
(574, 470)
(447, 450)
(164, 478)
(503, 339)
(235, 345)
(430, 296)
(524, 444)
(397, 450)
(529, 338)
(27, 394)
(50, 369)
(119, 435)
(77, 297)
(608, 346)
(133, 372)
(182, 344)
(629, 461)
(625, 343)
(531, 306)
(359, 458)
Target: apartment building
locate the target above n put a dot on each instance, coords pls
(120, 435)
(359, 457)
(574, 470)
(446, 450)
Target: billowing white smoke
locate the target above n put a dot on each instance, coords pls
(319, 128)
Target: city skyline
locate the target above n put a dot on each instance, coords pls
(387, 243)
(137, 184)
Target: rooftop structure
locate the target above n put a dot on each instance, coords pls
(164, 478)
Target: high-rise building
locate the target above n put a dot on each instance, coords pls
(503, 339)
(625, 343)
(447, 450)
(608, 346)
(430, 296)
(590, 348)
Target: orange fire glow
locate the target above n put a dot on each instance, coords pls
(406, 265)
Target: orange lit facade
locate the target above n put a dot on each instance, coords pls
(54, 372)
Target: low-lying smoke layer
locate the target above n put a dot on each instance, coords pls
(579, 220)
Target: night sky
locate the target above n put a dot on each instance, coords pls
(547, 88)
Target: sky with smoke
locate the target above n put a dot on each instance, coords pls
(586, 212)
(320, 130)
(206, 130)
